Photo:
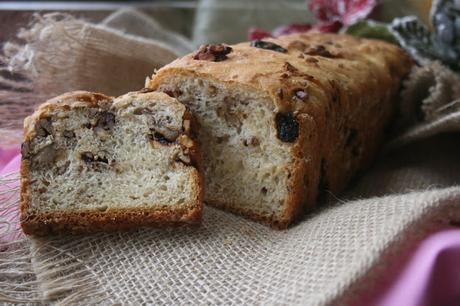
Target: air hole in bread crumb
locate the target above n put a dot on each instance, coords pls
(166, 178)
(212, 90)
(264, 190)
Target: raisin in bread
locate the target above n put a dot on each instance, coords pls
(285, 121)
(91, 162)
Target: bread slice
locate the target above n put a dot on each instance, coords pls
(91, 162)
(285, 120)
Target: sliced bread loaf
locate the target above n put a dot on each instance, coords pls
(285, 120)
(91, 162)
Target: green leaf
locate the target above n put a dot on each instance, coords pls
(369, 29)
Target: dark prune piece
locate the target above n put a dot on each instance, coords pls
(267, 45)
(212, 52)
(287, 127)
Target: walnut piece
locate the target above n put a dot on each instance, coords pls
(212, 52)
(44, 127)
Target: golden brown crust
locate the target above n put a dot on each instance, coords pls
(74, 99)
(93, 220)
(271, 220)
(351, 87)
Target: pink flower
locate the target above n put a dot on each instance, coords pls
(291, 28)
(345, 11)
(256, 33)
(331, 15)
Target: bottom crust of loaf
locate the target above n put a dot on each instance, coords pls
(90, 221)
(271, 221)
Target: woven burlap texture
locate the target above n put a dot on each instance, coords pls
(334, 255)
(58, 53)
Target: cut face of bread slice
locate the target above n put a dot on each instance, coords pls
(246, 166)
(94, 163)
(285, 121)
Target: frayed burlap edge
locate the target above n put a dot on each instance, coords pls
(429, 92)
(447, 123)
(40, 272)
(27, 275)
(57, 53)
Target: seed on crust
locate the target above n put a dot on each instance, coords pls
(300, 94)
(267, 46)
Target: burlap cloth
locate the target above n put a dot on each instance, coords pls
(333, 256)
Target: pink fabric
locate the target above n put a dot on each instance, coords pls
(9, 159)
(9, 163)
(431, 276)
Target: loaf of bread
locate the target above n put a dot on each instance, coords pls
(286, 121)
(94, 163)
